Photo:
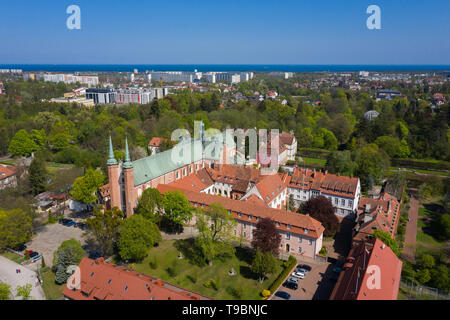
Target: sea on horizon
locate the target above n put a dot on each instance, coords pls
(220, 67)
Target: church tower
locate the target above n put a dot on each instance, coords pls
(129, 183)
(113, 177)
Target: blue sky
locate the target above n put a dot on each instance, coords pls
(225, 32)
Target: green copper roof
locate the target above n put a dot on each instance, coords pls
(159, 164)
(112, 160)
(127, 163)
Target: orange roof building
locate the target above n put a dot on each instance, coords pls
(104, 281)
(301, 234)
(8, 176)
(344, 192)
(372, 272)
(376, 214)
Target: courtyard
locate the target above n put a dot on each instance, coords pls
(213, 281)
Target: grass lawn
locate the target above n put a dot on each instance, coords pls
(12, 256)
(10, 162)
(423, 237)
(53, 166)
(432, 172)
(314, 161)
(52, 290)
(193, 275)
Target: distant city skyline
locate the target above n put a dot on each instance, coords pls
(222, 33)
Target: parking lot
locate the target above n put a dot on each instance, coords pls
(316, 285)
(50, 237)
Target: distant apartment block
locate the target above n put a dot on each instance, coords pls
(385, 94)
(12, 71)
(281, 75)
(90, 81)
(125, 96)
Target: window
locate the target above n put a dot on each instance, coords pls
(190, 169)
(234, 231)
(306, 231)
(245, 225)
(300, 239)
(239, 214)
(177, 175)
(350, 203)
(278, 224)
(310, 242)
(126, 288)
(245, 234)
(343, 202)
(288, 236)
(300, 249)
(184, 172)
(109, 281)
(336, 201)
(288, 226)
(250, 217)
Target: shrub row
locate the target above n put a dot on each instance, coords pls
(421, 164)
(288, 266)
(314, 153)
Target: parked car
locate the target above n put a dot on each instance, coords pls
(301, 270)
(283, 295)
(299, 275)
(63, 221)
(81, 225)
(70, 223)
(292, 280)
(20, 248)
(304, 267)
(290, 285)
(30, 252)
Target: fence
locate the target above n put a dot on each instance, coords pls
(416, 291)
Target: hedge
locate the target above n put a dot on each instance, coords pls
(314, 153)
(421, 164)
(289, 265)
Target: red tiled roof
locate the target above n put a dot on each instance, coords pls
(375, 214)
(104, 281)
(365, 262)
(7, 171)
(270, 187)
(156, 141)
(191, 182)
(298, 222)
(326, 183)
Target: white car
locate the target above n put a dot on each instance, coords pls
(300, 275)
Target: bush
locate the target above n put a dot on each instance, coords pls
(288, 266)
(237, 293)
(191, 279)
(265, 293)
(323, 251)
(210, 284)
(153, 264)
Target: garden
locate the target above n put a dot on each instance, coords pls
(178, 262)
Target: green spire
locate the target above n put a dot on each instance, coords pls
(111, 161)
(127, 164)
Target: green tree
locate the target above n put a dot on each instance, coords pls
(39, 137)
(341, 162)
(387, 240)
(136, 236)
(22, 144)
(60, 141)
(426, 261)
(423, 276)
(85, 187)
(5, 291)
(38, 175)
(150, 205)
(105, 226)
(24, 291)
(439, 277)
(177, 208)
(371, 161)
(15, 228)
(263, 264)
(69, 253)
(215, 228)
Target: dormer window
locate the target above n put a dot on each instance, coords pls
(109, 281)
(125, 289)
(306, 231)
(288, 226)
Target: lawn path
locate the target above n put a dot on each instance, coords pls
(411, 230)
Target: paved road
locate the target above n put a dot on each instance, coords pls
(411, 230)
(8, 275)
